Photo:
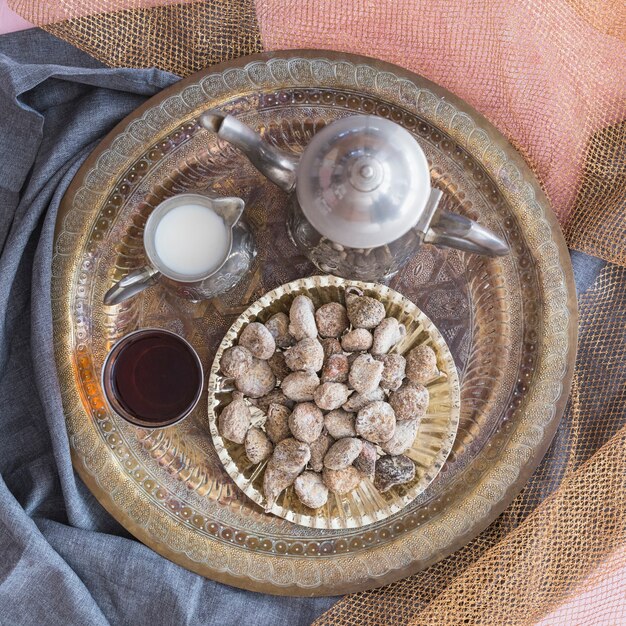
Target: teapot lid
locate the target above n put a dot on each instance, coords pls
(363, 181)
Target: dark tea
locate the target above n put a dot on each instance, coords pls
(152, 378)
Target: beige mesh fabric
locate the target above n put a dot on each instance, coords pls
(551, 74)
(180, 37)
(597, 225)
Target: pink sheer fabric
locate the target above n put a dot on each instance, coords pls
(10, 21)
(512, 60)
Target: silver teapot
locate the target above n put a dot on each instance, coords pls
(363, 202)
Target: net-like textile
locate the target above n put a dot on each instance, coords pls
(180, 37)
(551, 74)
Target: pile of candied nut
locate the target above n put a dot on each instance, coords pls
(339, 405)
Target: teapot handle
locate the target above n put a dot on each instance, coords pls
(450, 230)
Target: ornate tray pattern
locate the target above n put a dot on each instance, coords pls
(435, 436)
(510, 323)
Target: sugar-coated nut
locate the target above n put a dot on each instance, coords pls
(358, 401)
(257, 380)
(302, 318)
(329, 396)
(234, 420)
(341, 481)
(421, 364)
(357, 340)
(393, 470)
(409, 402)
(403, 437)
(311, 490)
(306, 355)
(291, 455)
(258, 446)
(352, 357)
(365, 373)
(258, 340)
(393, 371)
(343, 453)
(340, 423)
(235, 361)
(336, 369)
(387, 334)
(366, 461)
(331, 346)
(277, 422)
(342, 444)
(275, 481)
(289, 458)
(318, 451)
(306, 422)
(363, 311)
(300, 386)
(276, 396)
(332, 319)
(278, 325)
(278, 365)
(376, 422)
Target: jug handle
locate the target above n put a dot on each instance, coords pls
(131, 285)
(456, 231)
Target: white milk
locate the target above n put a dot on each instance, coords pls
(191, 240)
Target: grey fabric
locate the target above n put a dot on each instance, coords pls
(586, 269)
(63, 559)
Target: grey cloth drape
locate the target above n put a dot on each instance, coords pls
(63, 559)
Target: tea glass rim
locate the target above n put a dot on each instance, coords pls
(158, 213)
(116, 406)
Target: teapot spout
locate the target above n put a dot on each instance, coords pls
(276, 165)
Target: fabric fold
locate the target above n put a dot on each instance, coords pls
(65, 560)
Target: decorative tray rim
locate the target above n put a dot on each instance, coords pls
(542, 410)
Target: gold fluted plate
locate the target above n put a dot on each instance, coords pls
(510, 323)
(433, 442)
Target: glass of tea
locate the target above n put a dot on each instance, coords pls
(153, 378)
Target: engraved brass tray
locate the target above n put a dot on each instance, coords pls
(433, 442)
(510, 322)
